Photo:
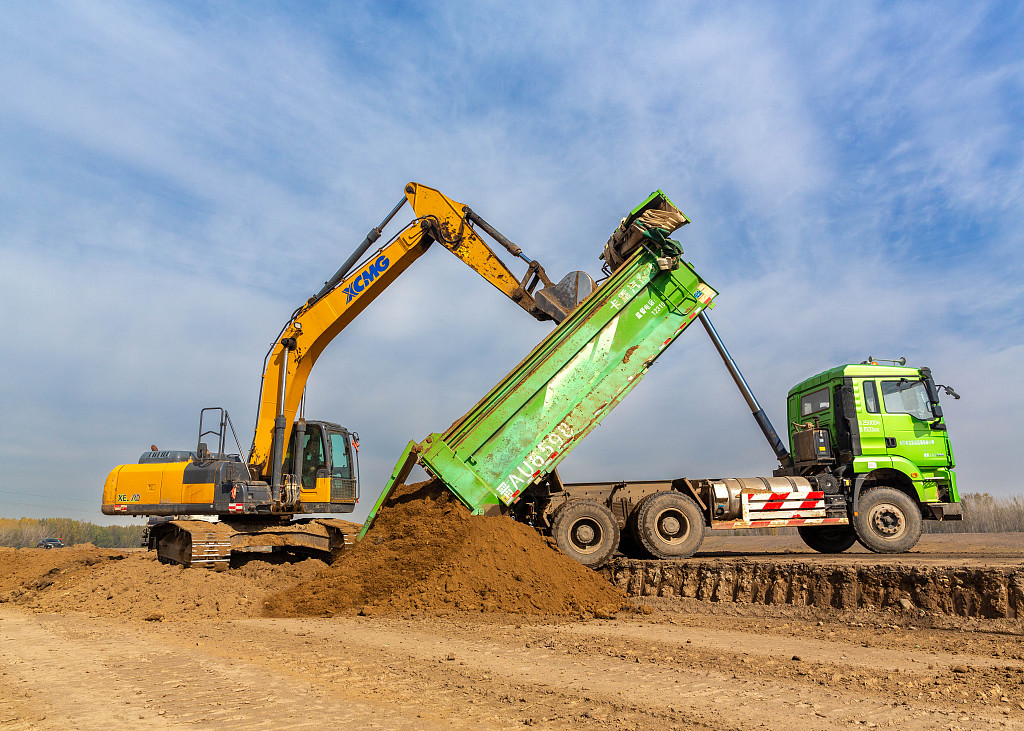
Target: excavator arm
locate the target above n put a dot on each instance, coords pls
(316, 323)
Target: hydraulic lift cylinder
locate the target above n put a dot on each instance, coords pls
(280, 422)
(358, 253)
(781, 453)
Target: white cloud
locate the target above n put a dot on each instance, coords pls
(172, 186)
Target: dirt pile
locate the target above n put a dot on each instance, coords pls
(133, 584)
(19, 566)
(425, 552)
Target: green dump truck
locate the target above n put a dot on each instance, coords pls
(868, 458)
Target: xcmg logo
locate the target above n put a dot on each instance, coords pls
(363, 279)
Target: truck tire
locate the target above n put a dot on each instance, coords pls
(586, 531)
(887, 521)
(828, 538)
(669, 525)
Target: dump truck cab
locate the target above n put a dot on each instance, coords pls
(874, 425)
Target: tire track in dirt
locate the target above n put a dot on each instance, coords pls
(88, 679)
(485, 671)
(768, 646)
(656, 687)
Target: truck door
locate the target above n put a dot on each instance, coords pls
(906, 420)
(869, 418)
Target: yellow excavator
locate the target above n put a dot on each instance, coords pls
(207, 504)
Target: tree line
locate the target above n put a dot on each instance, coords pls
(26, 532)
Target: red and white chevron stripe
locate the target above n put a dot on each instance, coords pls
(783, 505)
(777, 523)
(786, 500)
(236, 507)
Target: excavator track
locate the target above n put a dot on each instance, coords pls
(211, 545)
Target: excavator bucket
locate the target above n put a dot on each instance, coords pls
(560, 299)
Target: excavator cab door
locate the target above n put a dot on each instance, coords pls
(344, 466)
(313, 474)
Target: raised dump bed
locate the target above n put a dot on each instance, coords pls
(527, 424)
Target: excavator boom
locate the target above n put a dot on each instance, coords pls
(315, 324)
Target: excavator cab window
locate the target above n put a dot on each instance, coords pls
(343, 482)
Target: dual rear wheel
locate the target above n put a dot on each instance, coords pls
(666, 525)
(586, 531)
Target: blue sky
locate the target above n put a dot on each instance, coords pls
(175, 178)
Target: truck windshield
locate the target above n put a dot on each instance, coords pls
(906, 397)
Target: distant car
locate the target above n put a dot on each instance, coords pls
(50, 543)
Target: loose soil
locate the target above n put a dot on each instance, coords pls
(672, 668)
(72, 658)
(426, 553)
(133, 584)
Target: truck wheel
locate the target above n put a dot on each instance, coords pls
(828, 538)
(887, 521)
(586, 531)
(669, 525)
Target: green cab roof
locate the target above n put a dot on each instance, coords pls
(852, 370)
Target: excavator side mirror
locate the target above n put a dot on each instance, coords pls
(558, 300)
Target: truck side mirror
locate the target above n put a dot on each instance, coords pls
(949, 391)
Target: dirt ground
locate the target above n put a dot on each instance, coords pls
(91, 638)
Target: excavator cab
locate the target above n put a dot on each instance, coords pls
(328, 470)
